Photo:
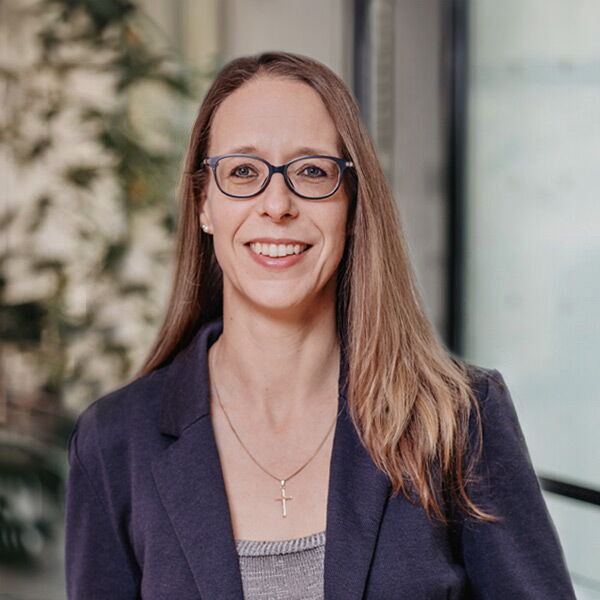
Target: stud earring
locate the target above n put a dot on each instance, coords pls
(206, 229)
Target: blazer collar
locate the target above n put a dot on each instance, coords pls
(190, 482)
(187, 392)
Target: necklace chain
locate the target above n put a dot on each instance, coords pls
(281, 481)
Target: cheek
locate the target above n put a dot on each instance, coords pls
(335, 239)
(227, 219)
(339, 226)
(225, 216)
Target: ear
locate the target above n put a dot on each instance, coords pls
(205, 218)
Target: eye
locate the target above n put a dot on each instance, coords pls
(313, 171)
(243, 171)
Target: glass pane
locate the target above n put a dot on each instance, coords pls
(533, 241)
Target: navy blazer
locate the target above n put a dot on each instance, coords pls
(147, 512)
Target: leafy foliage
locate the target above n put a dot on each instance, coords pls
(88, 221)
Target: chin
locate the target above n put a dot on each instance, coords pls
(284, 298)
(278, 303)
(281, 303)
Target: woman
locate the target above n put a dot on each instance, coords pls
(298, 431)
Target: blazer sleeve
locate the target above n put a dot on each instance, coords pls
(520, 555)
(99, 563)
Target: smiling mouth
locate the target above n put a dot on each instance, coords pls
(277, 250)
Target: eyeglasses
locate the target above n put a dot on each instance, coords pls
(244, 176)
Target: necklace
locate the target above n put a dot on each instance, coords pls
(283, 498)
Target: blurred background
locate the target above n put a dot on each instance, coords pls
(486, 116)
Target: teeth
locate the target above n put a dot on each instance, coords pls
(276, 250)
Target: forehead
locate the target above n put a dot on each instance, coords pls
(275, 117)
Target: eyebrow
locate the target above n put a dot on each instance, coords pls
(301, 151)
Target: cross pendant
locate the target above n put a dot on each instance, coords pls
(283, 498)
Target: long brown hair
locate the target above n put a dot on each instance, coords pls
(408, 398)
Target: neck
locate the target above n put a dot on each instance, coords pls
(276, 370)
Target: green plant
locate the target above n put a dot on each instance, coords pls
(90, 176)
(93, 236)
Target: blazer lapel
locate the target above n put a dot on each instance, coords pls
(188, 474)
(190, 482)
(358, 494)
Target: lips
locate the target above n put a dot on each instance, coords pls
(277, 250)
(268, 240)
(277, 261)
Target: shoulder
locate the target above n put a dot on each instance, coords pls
(126, 401)
(494, 434)
(496, 441)
(491, 393)
(119, 422)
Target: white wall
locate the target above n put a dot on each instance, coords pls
(318, 29)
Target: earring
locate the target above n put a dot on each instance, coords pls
(206, 229)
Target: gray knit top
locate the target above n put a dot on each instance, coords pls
(283, 569)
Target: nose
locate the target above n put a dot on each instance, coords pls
(277, 200)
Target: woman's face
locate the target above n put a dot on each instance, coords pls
(276, 119)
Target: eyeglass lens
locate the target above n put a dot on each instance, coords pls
(310, 177)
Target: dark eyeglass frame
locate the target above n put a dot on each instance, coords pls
(343, 164)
